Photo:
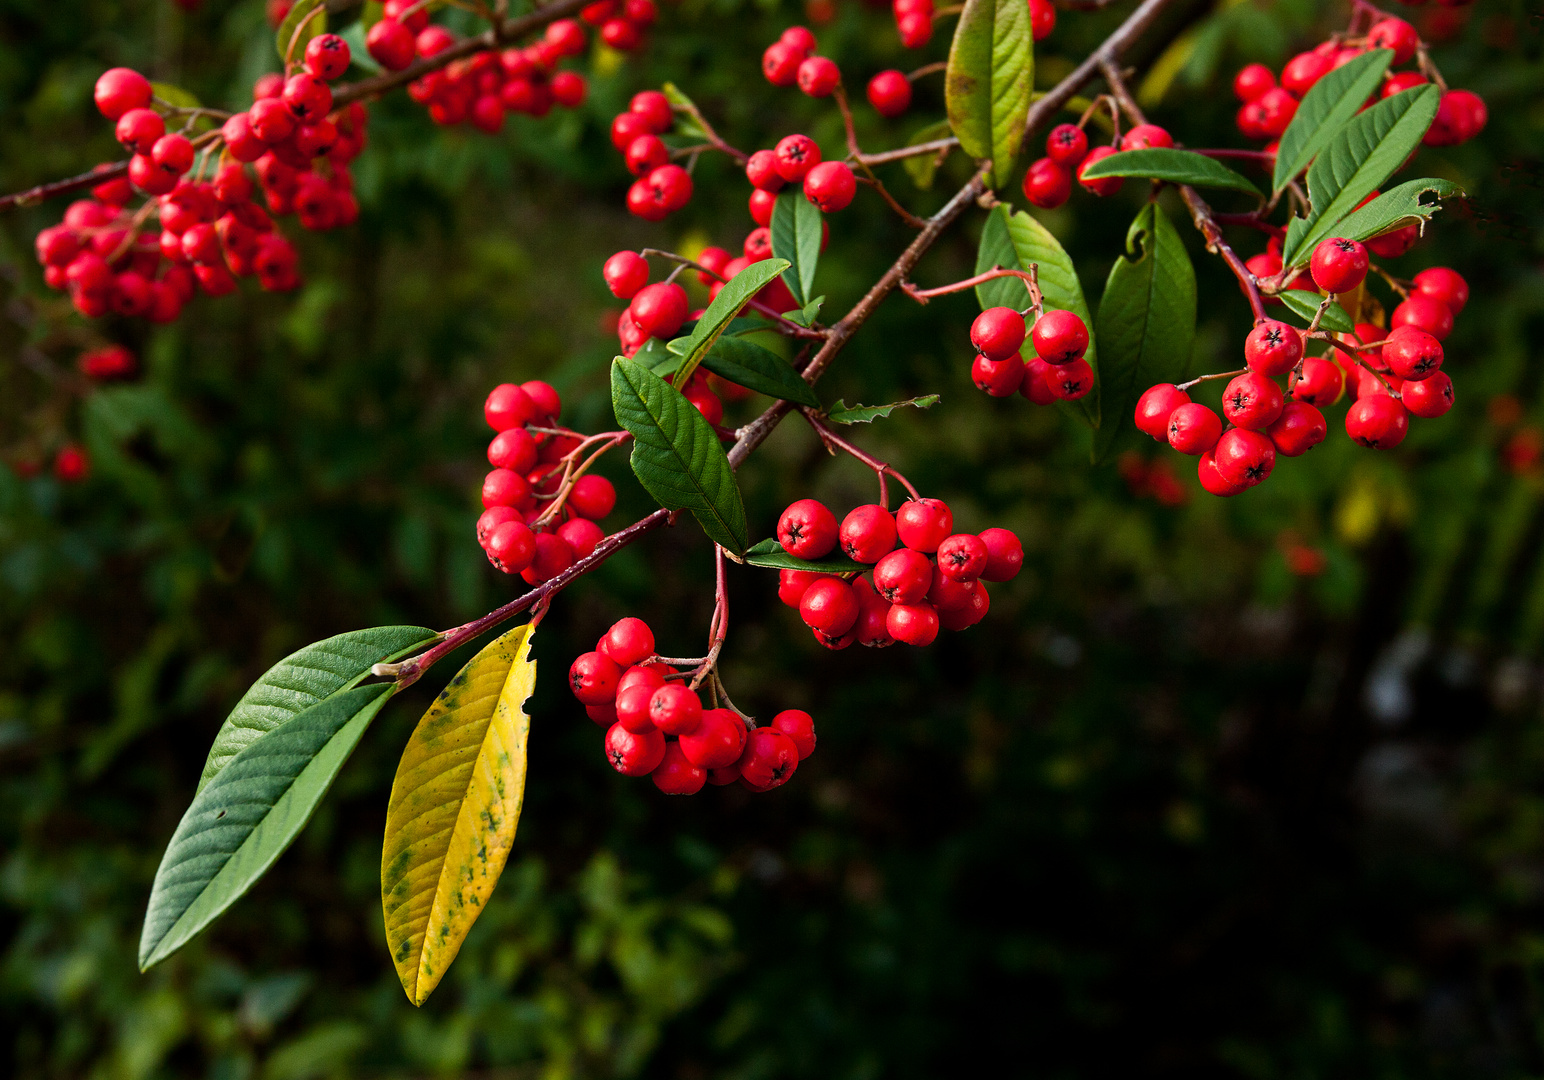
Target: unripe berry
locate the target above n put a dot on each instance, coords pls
(1429, 397)
(1071, 381)
(1059, 337)
(1145, 137)
(507, 406)
(1004, 555)
(962, 557)
(1445, 286)
(796, 155)
(120, 89)
(675, 775)
(1252, 401)
(1411, 353)
(1244, 457)
(1317, 382)
(1104, 186)
(903, 576)
(1155, 406)
(1067, 145)
(830, 186)
(718, 741)
(999, 378)
(593, 678)
(913, 624)
(922, 524)
(659, 309)
(807, 530)
(830, 606)
(998, 333)
(592, 497)
(890, 93)
(675, 709)
(818, 76)
(1424, 313)
(1047, 184)
(1273, 348)
(633, 753)
(768, 760)
(1298, 429)
(1193, 428)
(1338, 265)
(1213, 481)
(1252, 81)
(799, 726)
(1377, 421)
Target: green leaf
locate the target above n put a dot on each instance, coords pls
(455, 803)
(676, 455)
(175, 96)
(922, 167)
(314, 27)
(1405, 205)
(1146, 323)
(684, 125)
(796, 231)
(354, 33)
(843, 413)
(988, 81)
(1016, 240)
(1172, 166)
(659, 357)
(770, 555)
(1365, 153)
(1324, 110)
(304, 678)
(1303, 304)
(759, 368)
(735, 294)
(806, 315)
(238, 826)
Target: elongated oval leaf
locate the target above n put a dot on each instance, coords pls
(922, 167)
(314, 27)
(758, 368)
(676, 455)
(1324, 110)
(736, 293)
(770, 555)
(1173, 166)
(1365, 153)
(796, 232)
(1304, 304)
(454, 807)
(843, 413)
(1019, 241)
(302, 679)
(1410, 203)
(1146, 322)
(988, 82)
(238, 826)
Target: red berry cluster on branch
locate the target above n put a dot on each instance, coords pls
(1048, 181)
(1057, 371)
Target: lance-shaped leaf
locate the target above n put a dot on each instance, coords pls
(1356, 162)
(736, 293)
(758, 368)
(843, 413)
(302, 679)
(454, 806)
(238, 825)
(676, 454)
(1324, 110)
(1018, 241)
(796, 231)
(770, 555)
(988, 81)
(1146, 322)
(1174, 167)
(1304, 304)
(284, 39)
(1411, 203)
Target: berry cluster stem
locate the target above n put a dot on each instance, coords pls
(1030, 278)
(835, 442)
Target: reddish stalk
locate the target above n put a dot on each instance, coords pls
(1029, 277)
(835, 442)
(1199, 379)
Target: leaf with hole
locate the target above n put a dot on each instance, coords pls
(304, 678)
(676, 454)
(769, 554)
(758, 368)
(285, 38)
(1303, 304)
(1172, 166)
(1411, 203)
(843, 413)
(1329, 104)
(988, 81)
(736, 293)
(245, 818)
(1146, 322)
(1366, 152)
(455, 803)
(796, 233)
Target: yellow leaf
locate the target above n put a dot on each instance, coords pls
(453, 811)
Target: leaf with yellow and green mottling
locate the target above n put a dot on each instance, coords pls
(453, 811)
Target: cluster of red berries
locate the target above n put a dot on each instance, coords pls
(658, 727)
(1048, 180)
(1399, 375)
(108, 363)
(912, 595)
(518, 529)
(914, 20)
(1057, 371)
(662, 187)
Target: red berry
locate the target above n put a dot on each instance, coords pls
(818, 76)
(1424, 313)
(1411, 353)
(762, 172)
(946, 594)
(962, 557)
(1338, 265)
(922, 524)
(798, 37)
(1303, 70)
(1444, 286)
(492, 518)
(913, 624)
(1429, 397)
(761, 205)
(552, 557)
(915, 29)
(511, 546)
(807, 530)
(655, 109)
(1317, 382)
(593, 678)
(1400, 82)
(1298, 429)
(830, 186)
(507, 406)
(581, 535)
(566, 36)
(1004, 555)
(768, 760)
(674, 775)
(796, 155)
(1000, 378)
(780, 63)
(545, 402)
(625, 273)
(830, 606)
(1036, 386)
(1377, 421)
(327, 56)
(1212, 480)
(1252, 81)
(757, 246)
(1067, 145)
(1273, 348)
(1252, 401)
(633, 753)
(718, 741)
(669, 187)
(1105, 186)
(903, 576)
(659, 309)
(505, 487)
(645, 154)
(120, 89)
(890, 93)
(1244, 457)
(867, 533)
(1461, 115)
(1193, 428)
(1059, 337)
(1071, 381)
(998, 333)
(976, 605)
(1146, 136)
(675, 709)
(791, 585)
(1042, 19)
(1155, 407)
(174, 153)
(72, 465)
(271, 120)
(799, 726)
(138, 130)
(592, 497)
(1391, 245)
(1394, 34)
(1047, 184)
(632, 702)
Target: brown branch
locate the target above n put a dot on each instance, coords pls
(33, 196)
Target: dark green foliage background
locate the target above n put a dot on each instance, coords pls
(1168, 812)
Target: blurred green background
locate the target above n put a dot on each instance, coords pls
(1177, 808)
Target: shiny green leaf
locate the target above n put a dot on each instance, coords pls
(758, 368)
(1410, 203)
(770, 555)
(1303, 304)
(843, 413)
(735, 294)
(1324, 110)
(796, 231)
(988, 81)
(1172, 166)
